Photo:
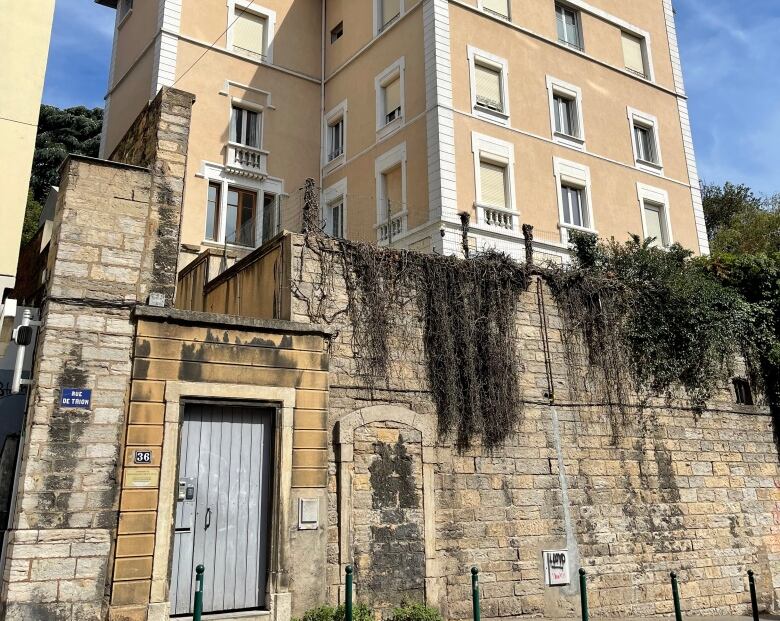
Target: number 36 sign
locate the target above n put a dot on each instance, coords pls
(556, 567)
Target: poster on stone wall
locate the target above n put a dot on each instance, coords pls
(556, 567)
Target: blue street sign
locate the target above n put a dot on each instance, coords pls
(80, 398)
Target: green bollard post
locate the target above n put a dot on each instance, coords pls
(753, 598)
(676, 596)
(197, 609)
(584, 594)
(475, 592)
(348, 594)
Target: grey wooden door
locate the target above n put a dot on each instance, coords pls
(222, 507)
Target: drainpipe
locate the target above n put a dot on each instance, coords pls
(322, 94)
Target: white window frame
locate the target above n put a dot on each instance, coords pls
(270, 29)
(379, 27)
(216, 174)
(332, 194)
(576, 175)
(647, 120)
(495, 151)
(480, 57)
(492, 14)
(658, 198)
(559, 87)
(339, 112)
(248, 106)
(383, 164)
(577, 10)
(396, 70)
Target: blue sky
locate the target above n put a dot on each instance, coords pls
(730, 58)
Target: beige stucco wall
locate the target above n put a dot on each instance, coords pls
(354, 83)
(606, 96)
(24, 48)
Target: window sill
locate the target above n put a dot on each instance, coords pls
(491, 115)
(580, 229)
(335, 163)
(254, 57)
(650, 167)
(392, 127)
(569, 141)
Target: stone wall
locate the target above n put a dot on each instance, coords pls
(111, 236)
(632, 497)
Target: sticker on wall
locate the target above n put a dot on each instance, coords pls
(556, 567)
(141, 477)
(76, 398)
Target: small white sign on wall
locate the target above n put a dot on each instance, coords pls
(556, 567)
(308, 514)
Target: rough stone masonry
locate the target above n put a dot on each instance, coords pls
(114, 241)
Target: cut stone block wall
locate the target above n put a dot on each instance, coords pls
(111, 235)
(632, 498)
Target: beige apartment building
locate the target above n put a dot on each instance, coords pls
(24, 48)
(566, 115)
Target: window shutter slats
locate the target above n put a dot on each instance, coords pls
(632, 52)
(393, 95)
(248, 32)
(497, 6)
(493, 184)
(654, 224)
(488, 83)
(390, 9)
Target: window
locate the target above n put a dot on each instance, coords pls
(390, 11)
(241, 223)
(489, 85)
(124, 6)
(644, 137)
(249, 33)
(334, 218)
(566, 120)
(655, 226)
(390, 97)
(245, 127)
(566, 115)
(270, 216)
(633, 54)
(250, 30)
(335, 139)
(568, 22)
(212, 211)
(493, 187)
(654, 206)
(494, 162)
(645, 143)
(574, 208)
(390, 173)
(337, 32)
(575, 211)
(499, 8)
(742, 391)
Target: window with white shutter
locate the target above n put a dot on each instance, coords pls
(633, 54)
(393, 180)
(499, 8)
(488, 87)
(492, 180)
(655, 225)
(391, 10)
(392, 100)
(249, 31)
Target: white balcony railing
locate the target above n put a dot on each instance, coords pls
(247, 161)
(497, 217)
(387, 231)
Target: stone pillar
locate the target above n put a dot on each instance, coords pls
(114, 241)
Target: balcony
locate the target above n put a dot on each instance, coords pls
(497, 217)
(387, 231)
(246, 161)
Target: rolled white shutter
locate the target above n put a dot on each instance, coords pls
(393, 95)
(654, 224)
(248, 32)
(390, 8)
(488, 86)
(497, 6)
(632, 52)
(492, 184)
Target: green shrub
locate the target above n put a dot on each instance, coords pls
(415, 612)
(360, 612)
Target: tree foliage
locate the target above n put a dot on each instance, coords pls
(60, 132)
(32, 216)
